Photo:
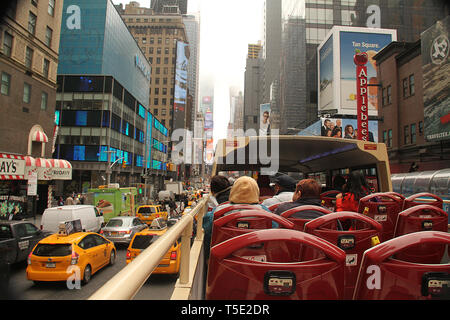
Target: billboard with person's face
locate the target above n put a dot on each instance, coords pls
(345, 128)
(337, 70)
(180, 85)
(264, 119)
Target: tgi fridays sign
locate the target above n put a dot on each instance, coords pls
(12, 167)
(361, 60)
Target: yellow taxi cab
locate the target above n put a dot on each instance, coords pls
(170, 263)
(64, 255)
(147, 213)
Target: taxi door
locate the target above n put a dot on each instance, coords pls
(92, 251)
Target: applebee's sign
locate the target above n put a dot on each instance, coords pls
(361, 60)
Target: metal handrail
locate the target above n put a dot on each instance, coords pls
(127, 283)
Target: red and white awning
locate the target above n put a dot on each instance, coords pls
(39, 136)
(12, 167)
(49, 169)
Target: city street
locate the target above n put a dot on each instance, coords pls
(157, 287)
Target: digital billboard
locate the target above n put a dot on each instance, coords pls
(337, 70)
(435, 67)
(180, 85)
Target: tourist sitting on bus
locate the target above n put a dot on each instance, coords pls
(220, 189)
(245, 190)
(284, 190)
(307, 192)
(355, 188)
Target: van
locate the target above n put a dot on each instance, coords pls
(91, 219)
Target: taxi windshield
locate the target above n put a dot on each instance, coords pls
(53, 250)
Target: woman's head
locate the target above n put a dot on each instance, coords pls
(357, 184)
(244, 190)
(348, 129)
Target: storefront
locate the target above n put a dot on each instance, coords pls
(26, 184)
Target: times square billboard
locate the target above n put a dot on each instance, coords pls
(337, 70)
(180, 101)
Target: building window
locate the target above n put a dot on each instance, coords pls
(26, 92)
(164, 101)
(28, 57)
(412, 88)
(156, 101)
(7, 44)
(405, 88)
(413, 133)
(420, 128)
(44, 100)
(389, 142)
(163, 112)
(32, 23)
(406, 134)
(155, 112)
(6, 83)
(389, 95)
(46, 68)
(384, 136)
(48, 37)
(34, 3)
(51, 7)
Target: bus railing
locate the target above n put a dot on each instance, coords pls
(127, 283)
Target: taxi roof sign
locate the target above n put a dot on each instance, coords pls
(68, 227)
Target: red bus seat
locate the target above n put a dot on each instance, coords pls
(353, 242)
(329, 199)
(384, 277)
(300, 222)
(414, 200)
(383, 208)
(423, 217)
(266, 264)
(230, 207)
(276, 205)
(237, 223)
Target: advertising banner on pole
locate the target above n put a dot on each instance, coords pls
(360, 60)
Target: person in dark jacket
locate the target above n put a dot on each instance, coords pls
(220, 188)
(307, 192)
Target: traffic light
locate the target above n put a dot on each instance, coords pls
(124, 164)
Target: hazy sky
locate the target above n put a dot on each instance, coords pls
(226, 29)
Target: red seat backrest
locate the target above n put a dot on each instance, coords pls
(266, 264)
(237, 223)
(227, 208)
(276, 205)
(423, 217)
(299, 222)
(353, 242)
(383, 276)
(383, 208)
(329, 199)
(414, 200)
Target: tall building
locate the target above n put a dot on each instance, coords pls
(271, 45)
(105, 126)
(169, 6)
(253, 87)
(409, 18)
(254, 50)
(29, 35)
(162, 38)
(192, 23)
(29, 51)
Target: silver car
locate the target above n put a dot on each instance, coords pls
(122, 229)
